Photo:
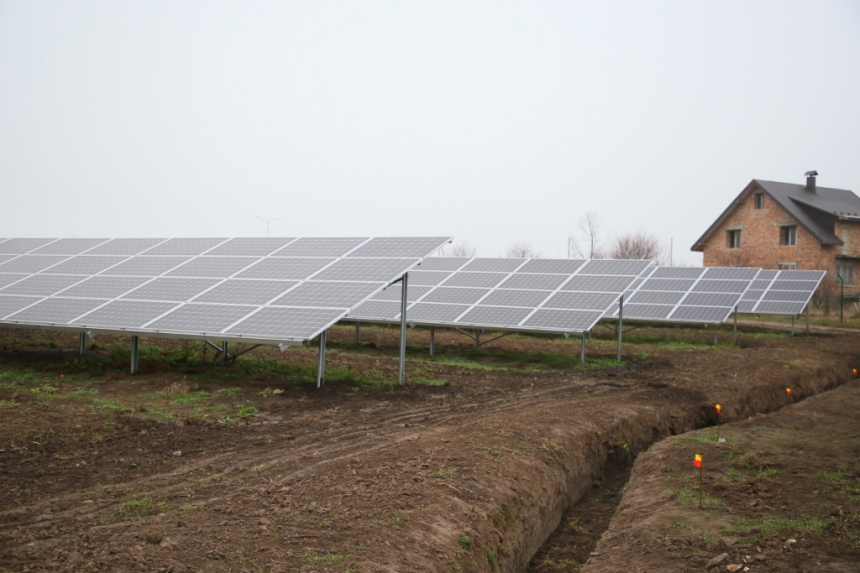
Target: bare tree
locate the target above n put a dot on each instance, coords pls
(588, 245)
(463, 249)
(637, 245)
(523, 250)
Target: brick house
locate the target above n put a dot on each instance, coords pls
(789, 226)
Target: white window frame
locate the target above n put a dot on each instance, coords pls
(788, 235)
(787, 266)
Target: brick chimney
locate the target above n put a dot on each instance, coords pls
(810, 180)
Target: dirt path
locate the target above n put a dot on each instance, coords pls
(470, 468)
(781, 493)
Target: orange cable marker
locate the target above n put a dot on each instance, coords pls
(698, 461)
(788, 391)
(719, 409)
(854, 372)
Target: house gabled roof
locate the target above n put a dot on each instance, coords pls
(814, 211)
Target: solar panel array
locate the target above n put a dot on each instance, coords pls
(780, 292)
(245, 289)
(545, 295)
(686, 294)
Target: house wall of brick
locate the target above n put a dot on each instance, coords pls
(761, 241)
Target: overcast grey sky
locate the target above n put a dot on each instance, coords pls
(494, 122)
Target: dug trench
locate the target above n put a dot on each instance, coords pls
(470, 467)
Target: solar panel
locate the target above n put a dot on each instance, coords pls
(547, 295)
(86, 265)
(170, 289)
(30, 263)
(184, 246)
(57, 310)
(22, 246)
(277, 289)
(125, 246)
(781, 292)
(41, 285)
(687, 294)
(248, 291)
(11, 304)
(69, 246)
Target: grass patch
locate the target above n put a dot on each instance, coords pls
(247, 411)
(841, 481)
(10, 404)
(464, 541)
(231, 392)
(82, 394)
(192, 397)
(688, 496)
(705, 437)
(44, 390)
(137, 509)
(771, 524)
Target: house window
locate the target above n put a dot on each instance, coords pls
(735, 239)
(846, 272)
(787, 266)
(759, 200)
(788, 235)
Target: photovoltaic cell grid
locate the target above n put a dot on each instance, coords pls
(780, 292)
(686, 294)
(274, 289)
(547, 295)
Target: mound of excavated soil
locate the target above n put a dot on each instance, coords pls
(781, 493)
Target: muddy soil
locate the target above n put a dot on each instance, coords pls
(191, 466)
(781, 492)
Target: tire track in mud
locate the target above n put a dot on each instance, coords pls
(386, 434)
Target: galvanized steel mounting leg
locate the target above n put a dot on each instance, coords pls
(582, 357)
(807, 319)
(432, 340)
(735, 327)
(357, 333)
(224, 354)
(716, 334)
(82, 344)
(401, 375)
(477, 340)
(134, 353)
(620, 324)
(321, 365)
(792, 325)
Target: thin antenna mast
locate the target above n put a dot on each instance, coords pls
(268, 222)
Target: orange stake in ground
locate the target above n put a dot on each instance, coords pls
(719, 411)
(697, 461)
(790, 400)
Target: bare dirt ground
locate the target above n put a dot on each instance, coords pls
(192, 466)
(781, 493)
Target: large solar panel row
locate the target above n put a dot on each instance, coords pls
(543, 295)
(256, 289)
(780, 292)
(686, 294)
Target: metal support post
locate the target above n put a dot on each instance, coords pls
(401, 375)
(321, 364)
(716, 334)
(620, 324)
(735, 327)
(792, 325)
(477, 340)
(134, 354)
(224, 354)
(582, 354)
(357, 333)
(432, 340)
(807, 319)
(82, 344)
